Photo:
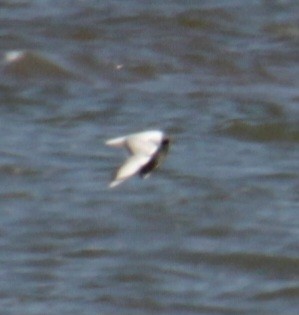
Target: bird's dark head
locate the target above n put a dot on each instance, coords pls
(164, 145)
(165, 141)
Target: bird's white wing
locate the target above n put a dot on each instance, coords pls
(149, 134)
(131, 166)
(141, 146)
(116, 142)
(146, 142)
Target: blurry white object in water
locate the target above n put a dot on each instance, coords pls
(147, 150)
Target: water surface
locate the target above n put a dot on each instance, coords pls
(215, 229)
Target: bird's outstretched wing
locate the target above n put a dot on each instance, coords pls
(137, 145)
(131, 166)
(116, 142)
(146, 142)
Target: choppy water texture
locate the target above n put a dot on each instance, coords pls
(216, 229)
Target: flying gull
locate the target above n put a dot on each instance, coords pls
(147, 151)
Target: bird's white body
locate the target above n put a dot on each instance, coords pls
(144, 148)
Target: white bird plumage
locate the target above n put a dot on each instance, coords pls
(147, 149)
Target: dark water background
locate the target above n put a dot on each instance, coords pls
(216, 229)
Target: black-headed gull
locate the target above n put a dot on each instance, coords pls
(147, 150)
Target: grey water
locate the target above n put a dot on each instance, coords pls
(215, 230)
